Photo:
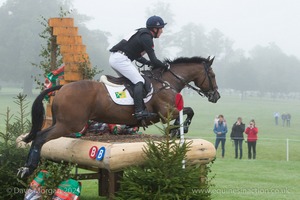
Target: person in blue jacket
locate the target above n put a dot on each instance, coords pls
(220, 129)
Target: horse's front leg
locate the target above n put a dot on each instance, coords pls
(186, 111)
(190, 114)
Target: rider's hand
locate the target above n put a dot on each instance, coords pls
(148, 63)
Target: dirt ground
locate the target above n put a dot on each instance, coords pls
(122, 138)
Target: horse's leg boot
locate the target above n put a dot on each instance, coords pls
(31, 164)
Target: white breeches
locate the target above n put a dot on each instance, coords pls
(123, 66)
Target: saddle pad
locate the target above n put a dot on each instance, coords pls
(121, 96)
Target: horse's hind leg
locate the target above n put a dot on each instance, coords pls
(35, 150)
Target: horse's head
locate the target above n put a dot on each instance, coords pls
(184, 70)
(199, 71)
(208, 83)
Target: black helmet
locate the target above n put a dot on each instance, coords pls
(155, 22)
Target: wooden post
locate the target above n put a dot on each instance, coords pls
(203, 177)
(53, 53)
(109, 182)
(103, 182)
(114, 183)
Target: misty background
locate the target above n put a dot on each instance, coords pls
(255, 43)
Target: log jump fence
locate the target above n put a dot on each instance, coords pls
(106, 160)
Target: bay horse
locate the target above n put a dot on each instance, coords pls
(77, 102)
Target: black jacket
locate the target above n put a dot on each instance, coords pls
(237, 131)
(139, 43)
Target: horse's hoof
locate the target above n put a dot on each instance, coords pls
(185, 129)
(23, 172)
(144, 124)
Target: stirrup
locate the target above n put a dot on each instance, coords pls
(144, 115)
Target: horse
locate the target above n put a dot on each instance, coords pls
(77, 102)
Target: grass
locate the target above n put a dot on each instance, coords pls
(7, 96)
(270, 176)
(255, 179)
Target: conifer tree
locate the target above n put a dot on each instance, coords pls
(162, 175)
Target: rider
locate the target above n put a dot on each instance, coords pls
(133, 48)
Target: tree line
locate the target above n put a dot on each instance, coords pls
(264, 68)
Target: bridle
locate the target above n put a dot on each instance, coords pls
(210, 94)
(201, 92)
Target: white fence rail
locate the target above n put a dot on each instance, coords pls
(284, 149)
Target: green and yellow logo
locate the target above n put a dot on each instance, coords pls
(120, 95)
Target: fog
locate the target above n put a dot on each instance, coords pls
(247, 23)
(257, 39)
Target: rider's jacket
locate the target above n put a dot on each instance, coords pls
(136, 45)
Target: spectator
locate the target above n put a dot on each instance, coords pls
(288, 119)
(251, 132)
(276, 116)
(237, 135)
(283, 118)
(220, 129)
(216, 119)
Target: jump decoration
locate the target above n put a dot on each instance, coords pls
(94, 153)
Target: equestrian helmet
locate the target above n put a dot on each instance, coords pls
(155, 22)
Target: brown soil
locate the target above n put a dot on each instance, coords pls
(128, 138)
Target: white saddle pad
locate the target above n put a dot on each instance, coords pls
(120, 95)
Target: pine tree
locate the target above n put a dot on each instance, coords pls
(162, 175)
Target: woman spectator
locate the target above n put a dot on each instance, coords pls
(237, 135)
(251, 132)
(220, 129)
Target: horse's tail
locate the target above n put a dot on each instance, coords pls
(38, 114)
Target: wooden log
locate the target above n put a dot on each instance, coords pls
(48, 110)
(61, 39)
(65, 31)
(71, 66)
(75, 57)
(63, 82)
(72, 76)
(48, 122)
(72, 49)
(117, 155)
(61, 22)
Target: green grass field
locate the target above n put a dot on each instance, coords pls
(270, 176)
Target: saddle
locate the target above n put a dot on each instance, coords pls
(121, 89)
(123, 81)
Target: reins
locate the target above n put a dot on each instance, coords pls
(198, 90)
(166, 85)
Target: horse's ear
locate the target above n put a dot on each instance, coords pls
(208, 58)
(211, 61)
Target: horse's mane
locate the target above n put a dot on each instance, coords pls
(185, 60)
(195, 59)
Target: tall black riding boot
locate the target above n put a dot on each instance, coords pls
(140, 113)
